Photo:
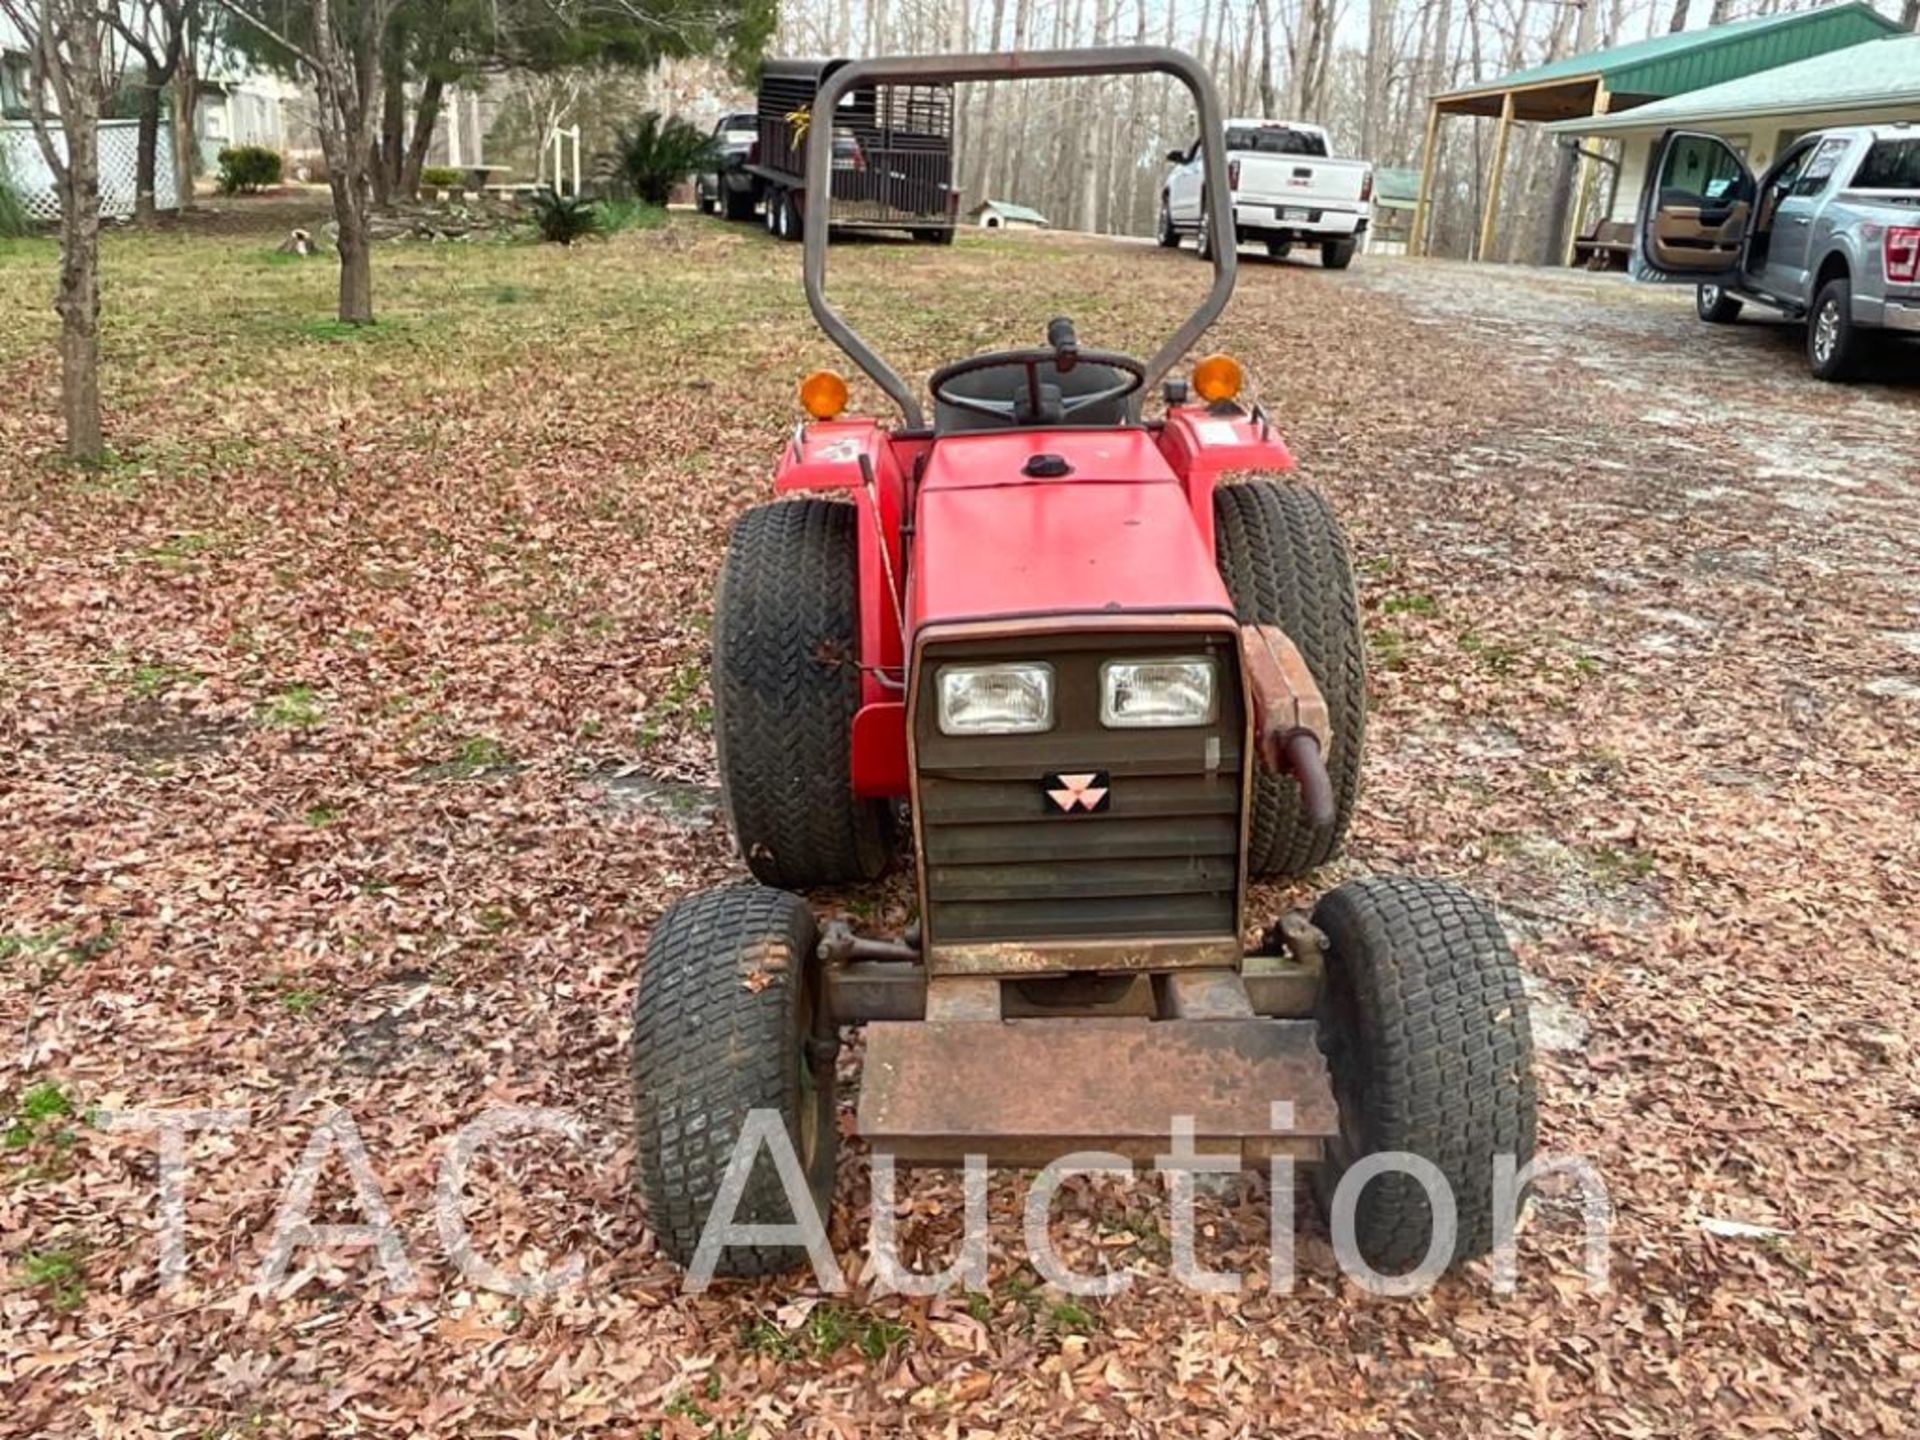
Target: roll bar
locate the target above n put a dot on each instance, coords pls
(1027, 65)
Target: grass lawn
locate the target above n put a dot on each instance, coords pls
(356, 726)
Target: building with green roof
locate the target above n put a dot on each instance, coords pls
(1762, 114)
(1625, 78)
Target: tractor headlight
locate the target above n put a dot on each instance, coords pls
(1143, 694)
(996, 699)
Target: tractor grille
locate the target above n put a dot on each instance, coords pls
(1004, 863)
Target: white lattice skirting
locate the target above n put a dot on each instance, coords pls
(26, 168)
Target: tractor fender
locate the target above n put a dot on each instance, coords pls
(1201, 443)
(862, 459)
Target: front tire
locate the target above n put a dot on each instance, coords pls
(1423, 1020)
(1835, 345)
(721, 1021)
(786, 656)
(1203, 240)
(1715, 306)
(1284, 559)
(1337, 254)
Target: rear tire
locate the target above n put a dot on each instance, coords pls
(1168, 237)
(721, 1021)
(735, 204)
(1423, 1020)
(1337, 254)
(1284, 559)
(1835, 345)
(1715, 306)
(786, 659)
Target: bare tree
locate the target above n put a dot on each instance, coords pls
(73, 69)
(157, 32)
(341, 58)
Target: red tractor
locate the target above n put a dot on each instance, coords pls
(1036, 650)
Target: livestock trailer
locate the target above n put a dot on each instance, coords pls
(892, 154)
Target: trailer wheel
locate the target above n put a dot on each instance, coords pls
(770, 213)
(1337, 254)
(1423, 1020)
(943, 236)
(1279, 249)
(1284, 560)
(721, 1024)
(786, 653)
(735, 204)
(793, 222)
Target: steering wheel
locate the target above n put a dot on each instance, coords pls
(1063, 353)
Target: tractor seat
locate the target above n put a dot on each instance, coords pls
(1009, 382)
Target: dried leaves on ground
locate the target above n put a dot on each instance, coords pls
(356, 724)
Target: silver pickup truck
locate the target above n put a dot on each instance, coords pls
(1830, 234)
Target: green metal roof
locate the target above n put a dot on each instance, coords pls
(1880, 77)
(1693, 59)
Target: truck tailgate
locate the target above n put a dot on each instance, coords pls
(1291, 179)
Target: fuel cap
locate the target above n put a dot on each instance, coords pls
(1046, 467)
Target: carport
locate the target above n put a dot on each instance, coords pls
(1623, 77)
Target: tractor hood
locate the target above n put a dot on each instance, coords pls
(1000, 535)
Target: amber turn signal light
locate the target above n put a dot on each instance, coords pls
(823, 394)
(1217, 378)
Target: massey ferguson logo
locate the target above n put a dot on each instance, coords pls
(1088, 791)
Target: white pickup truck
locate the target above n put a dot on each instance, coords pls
(1286, 189)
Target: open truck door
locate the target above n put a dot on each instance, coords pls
(1695, 214)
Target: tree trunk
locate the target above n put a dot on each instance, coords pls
(425, 116)
(1910, 15)
(390, 154)
(351, 213)
(1679, 21)
(186, 151)
(146, 158)
(78, 299)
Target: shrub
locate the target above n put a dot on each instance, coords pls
(564, 219)
(442, 177)
(655, 154)
(14, 220)
(245, 169)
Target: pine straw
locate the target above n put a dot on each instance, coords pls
(313, 698)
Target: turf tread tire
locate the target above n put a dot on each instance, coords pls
(717, 1033)
(786, 687)
(1423, 1019)
(1284, 559)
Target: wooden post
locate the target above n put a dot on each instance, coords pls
(1601, 99)
(1491, 215)
(1423, 201)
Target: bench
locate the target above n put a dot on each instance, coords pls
(1605, 247)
